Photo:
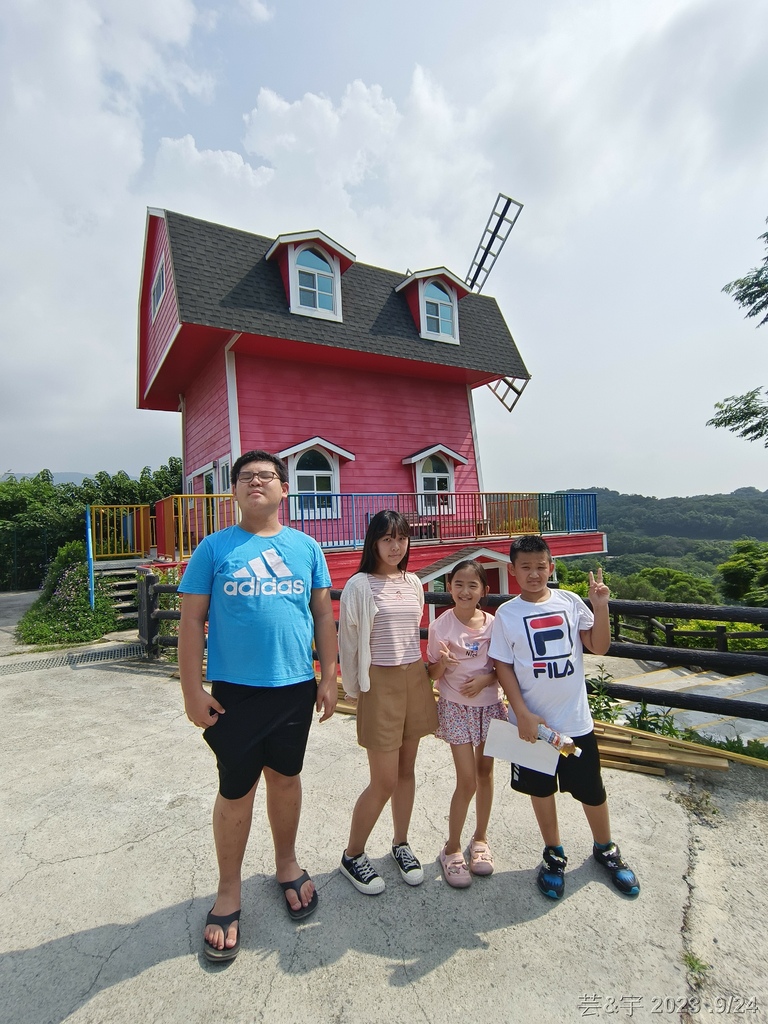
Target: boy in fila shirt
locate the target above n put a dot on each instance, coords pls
(537, 645)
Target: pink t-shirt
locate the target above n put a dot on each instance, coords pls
(470, 647)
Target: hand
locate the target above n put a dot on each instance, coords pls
(327, 695)
(446, 658)
(201, 708)
(477, 684)
(528, 726)
(598, 591)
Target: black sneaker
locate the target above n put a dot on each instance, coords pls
(551, 876)
(622, 876)
(410, 868)
(359, 871)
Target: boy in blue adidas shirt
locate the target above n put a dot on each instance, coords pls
(537, 645)
(265, 590)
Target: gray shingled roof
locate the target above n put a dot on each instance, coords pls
(222, 280)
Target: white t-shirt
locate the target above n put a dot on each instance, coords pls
(542, 643)
(470, 647)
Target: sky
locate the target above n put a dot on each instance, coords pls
(634, 134)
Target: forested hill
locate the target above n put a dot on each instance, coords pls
(743, 513)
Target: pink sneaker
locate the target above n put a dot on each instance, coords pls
(480, 858)
(455, 869)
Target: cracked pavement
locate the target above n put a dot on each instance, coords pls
(108, 871)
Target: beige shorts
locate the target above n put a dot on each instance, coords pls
(400, 705)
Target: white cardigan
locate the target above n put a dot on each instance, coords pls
(356, 613)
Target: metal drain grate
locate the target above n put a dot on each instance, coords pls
(73, 658)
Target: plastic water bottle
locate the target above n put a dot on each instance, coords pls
(559, 741)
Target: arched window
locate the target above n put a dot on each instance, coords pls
(434, 477)
(314, 481)
(438, 309)
(315, 280)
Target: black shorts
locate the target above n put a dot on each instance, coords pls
(579, 776)
(263, 727)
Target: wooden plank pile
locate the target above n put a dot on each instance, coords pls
(633, 750)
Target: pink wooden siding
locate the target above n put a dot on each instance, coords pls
(381, 418)
(206, 416)
(158, 333)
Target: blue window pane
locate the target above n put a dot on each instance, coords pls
(446, 324)
(312, 258)
(436, 291)
(307, 298)
(325, 301)
(306, 280)
(324, 284)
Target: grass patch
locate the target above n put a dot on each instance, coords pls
(696, 967)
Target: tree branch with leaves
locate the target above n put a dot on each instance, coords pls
(747, 415)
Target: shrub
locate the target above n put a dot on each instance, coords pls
(68, 617)
(72, 553)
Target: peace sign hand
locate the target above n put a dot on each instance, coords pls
(598, 591)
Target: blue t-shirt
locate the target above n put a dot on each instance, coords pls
(259, 624)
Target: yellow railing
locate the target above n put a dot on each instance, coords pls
(120, 531)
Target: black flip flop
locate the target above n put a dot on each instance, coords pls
(229, 952)
(296, 885)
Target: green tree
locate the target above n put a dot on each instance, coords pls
(744, 575)
(747, 415)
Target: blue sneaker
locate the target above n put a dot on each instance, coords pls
(622, 876)
(551, 876)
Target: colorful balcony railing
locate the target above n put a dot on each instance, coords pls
(341, 520)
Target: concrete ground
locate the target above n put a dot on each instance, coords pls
(108, 871)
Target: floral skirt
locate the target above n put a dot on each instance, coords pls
(461, 723)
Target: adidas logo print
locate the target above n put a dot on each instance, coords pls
(267, 575)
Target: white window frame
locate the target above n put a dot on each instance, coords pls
(333, 511)
(426, 507)
(294, 251)
(447, 339)
(225, 475)
(157, 300)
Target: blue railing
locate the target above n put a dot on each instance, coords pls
(341, 520)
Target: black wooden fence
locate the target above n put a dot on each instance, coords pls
(151, 615)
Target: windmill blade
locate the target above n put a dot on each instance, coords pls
(501, 221)
(508, 391)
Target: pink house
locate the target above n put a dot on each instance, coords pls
(361, 378)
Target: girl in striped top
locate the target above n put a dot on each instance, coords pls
(382, 668)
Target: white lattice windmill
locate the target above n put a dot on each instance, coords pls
(501, 221)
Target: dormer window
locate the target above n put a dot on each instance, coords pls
(438, 309)
(315, 280)
(433, 298)
(311, 265)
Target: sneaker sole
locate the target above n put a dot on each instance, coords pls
(372, 889)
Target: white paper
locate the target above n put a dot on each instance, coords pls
(504, 741)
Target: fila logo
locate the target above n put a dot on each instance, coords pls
(549, 641)
(259, 580)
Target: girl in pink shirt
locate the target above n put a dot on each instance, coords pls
(470, 696)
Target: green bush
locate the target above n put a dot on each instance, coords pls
(68, 617)
(72, 553)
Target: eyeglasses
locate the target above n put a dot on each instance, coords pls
(264, 476)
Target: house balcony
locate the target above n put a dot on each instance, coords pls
(340, 521)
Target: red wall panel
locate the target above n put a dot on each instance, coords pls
(157, 334)
(381, 418)
(207, 417)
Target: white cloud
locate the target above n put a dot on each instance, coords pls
(634, 133)
(257, 10)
